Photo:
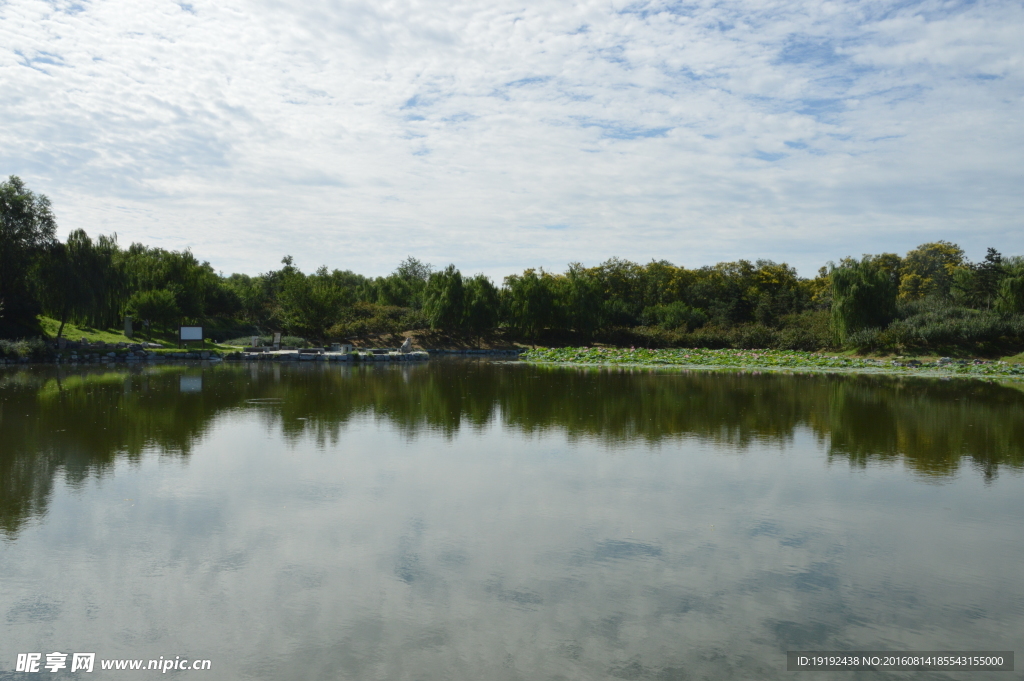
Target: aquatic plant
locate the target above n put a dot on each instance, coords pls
(760, 359)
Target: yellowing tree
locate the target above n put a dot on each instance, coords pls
(929, 270)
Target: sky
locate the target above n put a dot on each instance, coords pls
(502, 135)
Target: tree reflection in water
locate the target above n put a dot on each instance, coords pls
(78, 422)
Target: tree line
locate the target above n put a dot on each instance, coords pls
(931, 297)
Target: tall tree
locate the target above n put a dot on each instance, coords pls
(70, 279)
(529, 302)
(444, 299)
(929, 270)
(482, 304)
(27, 229)
(311, 304)
(863, 296)
(580, 298)
(1010, 296)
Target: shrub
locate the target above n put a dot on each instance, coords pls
(31, 348)
(674, 315)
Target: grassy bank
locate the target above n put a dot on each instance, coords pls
(790, 360)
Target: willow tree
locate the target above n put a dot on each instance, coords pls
(863, 296)
(1010, 296)
(444, 299)
(482, 304)
(529, 302)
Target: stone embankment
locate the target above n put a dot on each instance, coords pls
(107, 353)
(318, 355)
(355, 355)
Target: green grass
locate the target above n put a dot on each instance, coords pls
(758, 359)
(76, 333)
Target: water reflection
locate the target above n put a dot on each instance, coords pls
(77, 423)
(473, 521)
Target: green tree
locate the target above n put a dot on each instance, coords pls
(482, 304)
(310, 305)
(863, 296)
(529, 302)
(444, 299)
(192, 282)
(929, 269)
(1010, 296)
(977, 285)
(579, 295)
(404, 287)
(70, 279)
(27, 229)
(159, 307)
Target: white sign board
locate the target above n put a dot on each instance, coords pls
(191, 333)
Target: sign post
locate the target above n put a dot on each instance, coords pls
(190, 333)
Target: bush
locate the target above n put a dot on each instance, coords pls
(809, 330)
(709, 337)
(935, 324)
(364, 319)
(865, 340)
(755, 337)
(674, 316)
(31, 348)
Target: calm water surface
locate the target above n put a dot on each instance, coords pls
(467, 520)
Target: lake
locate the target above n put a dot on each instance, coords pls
(485, 520)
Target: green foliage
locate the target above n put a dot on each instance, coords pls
(751, 359)
(1009, 297)
(311, 304)
(159, 307)
(404, 287)
(444, 299)
(578, 293)
(529, 302)
(483, 304)
(863, 296)
(192, 282)
(364, 319)
(79, 281)
(26, 348)
(27, 229)
(944, 300)
(674, 315)
(929, 269)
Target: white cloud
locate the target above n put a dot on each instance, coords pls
(500, 136)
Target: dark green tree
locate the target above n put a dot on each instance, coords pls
(529, 302)
(27, 229)
(579, 295)
(482, 304)
(404, 287)
(863, 296)
(311, 304)
(159, 307)
(71, 280)
(444, 299)
(1010, 296)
